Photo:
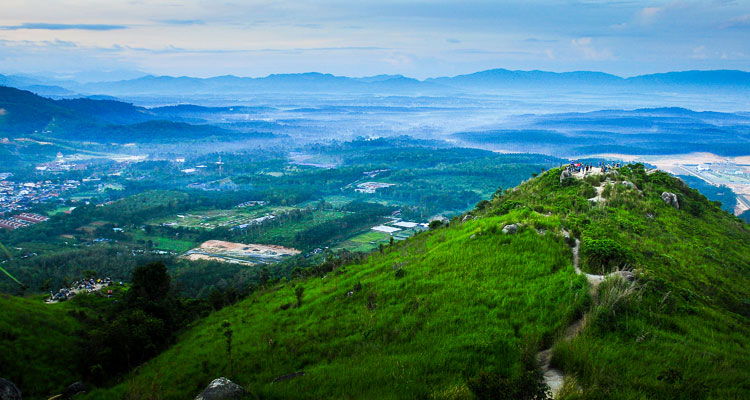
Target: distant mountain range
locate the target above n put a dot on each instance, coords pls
(479, 82)
(105, 121)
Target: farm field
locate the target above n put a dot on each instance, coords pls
(284, 232)
(212, 219)
(364, 242)
(163, 243)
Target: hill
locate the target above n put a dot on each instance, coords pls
(23, 113)
(467, 310)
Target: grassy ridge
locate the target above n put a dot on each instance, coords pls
(681, 330)
(468, 300)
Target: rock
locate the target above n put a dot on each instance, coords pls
(467, 217)
(9, 391)
(510, 229)
(629, 184)
(671, 199)
(594, 200)
(221, 389)
(289, 376)
(565, 175)
(73, 390)
(472, 236)
(650, 215)
(626, 275)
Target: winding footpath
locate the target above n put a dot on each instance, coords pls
(553, 377)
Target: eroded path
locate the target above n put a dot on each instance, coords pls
(554, 377)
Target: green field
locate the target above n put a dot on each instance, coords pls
(213, 219)
(283, 232)
(163, 243)
(59, 210)
(364, 242)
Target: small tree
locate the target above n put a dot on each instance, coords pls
(228, 334)
(298, 292)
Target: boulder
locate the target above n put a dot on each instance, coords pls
(73, 390)
(565, 175)
(510, 229)
(467, 217)
(9, 391)
(629, 184)
(671, 199)
(626, 275)
(222, 389)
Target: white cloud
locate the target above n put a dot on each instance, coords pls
(699, 53)
(585, 47)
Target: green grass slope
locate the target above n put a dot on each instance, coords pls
(430, 314)
(39, 345)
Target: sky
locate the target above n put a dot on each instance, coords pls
(114, 39)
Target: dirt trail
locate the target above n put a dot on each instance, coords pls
(554, 377)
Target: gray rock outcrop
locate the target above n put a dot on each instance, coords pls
(565, 175)
(9, 391)
(222, 389)
(626, 275)
(671, 199)
(510, 229)
(629, 184)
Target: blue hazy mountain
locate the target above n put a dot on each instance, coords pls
(313, 82)
(104, 121)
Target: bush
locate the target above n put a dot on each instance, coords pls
(604, 255)
(435, 224)
(528, 385)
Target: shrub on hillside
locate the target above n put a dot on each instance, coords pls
(528, 385)
(605, 255)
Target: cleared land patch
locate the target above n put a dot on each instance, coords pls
(239, 253)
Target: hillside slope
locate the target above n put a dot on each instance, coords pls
(461, 311)
(39, 341)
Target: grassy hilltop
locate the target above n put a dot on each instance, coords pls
(462, 310)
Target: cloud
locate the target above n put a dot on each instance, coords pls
(585, 46)
(182, 22)
(452, 40)
(310, 26)
(699, 53)
(62, 27)
(743, 21)
(648, 14)
(536, 40)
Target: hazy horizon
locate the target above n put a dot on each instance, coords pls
(419, 39)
